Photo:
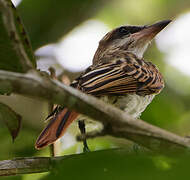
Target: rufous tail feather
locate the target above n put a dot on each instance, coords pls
(56, 128)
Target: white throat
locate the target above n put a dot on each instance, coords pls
(139, 51)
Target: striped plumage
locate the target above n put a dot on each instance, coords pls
(119, 75)
(126, 74)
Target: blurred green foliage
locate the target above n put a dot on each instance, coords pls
(47, 22)
(120, 165)
(11, 119)
(9, 57)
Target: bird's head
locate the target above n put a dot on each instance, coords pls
(133, 39)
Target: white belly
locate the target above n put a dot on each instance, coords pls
(132, 104)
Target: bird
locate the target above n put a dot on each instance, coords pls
(119, 75)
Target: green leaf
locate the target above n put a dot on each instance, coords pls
(9, 58)
(106, 165)
(11, 119)
(120, 165)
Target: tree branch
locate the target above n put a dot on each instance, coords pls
(24, 166)
(117, 123)
(29, 165)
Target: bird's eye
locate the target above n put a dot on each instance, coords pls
(123, 30)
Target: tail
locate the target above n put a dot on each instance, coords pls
(56, 128)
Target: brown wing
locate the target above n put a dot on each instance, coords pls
(120, 77)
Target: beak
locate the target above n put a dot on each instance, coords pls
(149, 32)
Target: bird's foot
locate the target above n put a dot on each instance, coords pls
(81, 125)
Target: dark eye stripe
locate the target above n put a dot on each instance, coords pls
(123, 30)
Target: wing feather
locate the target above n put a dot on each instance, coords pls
(120, 77)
